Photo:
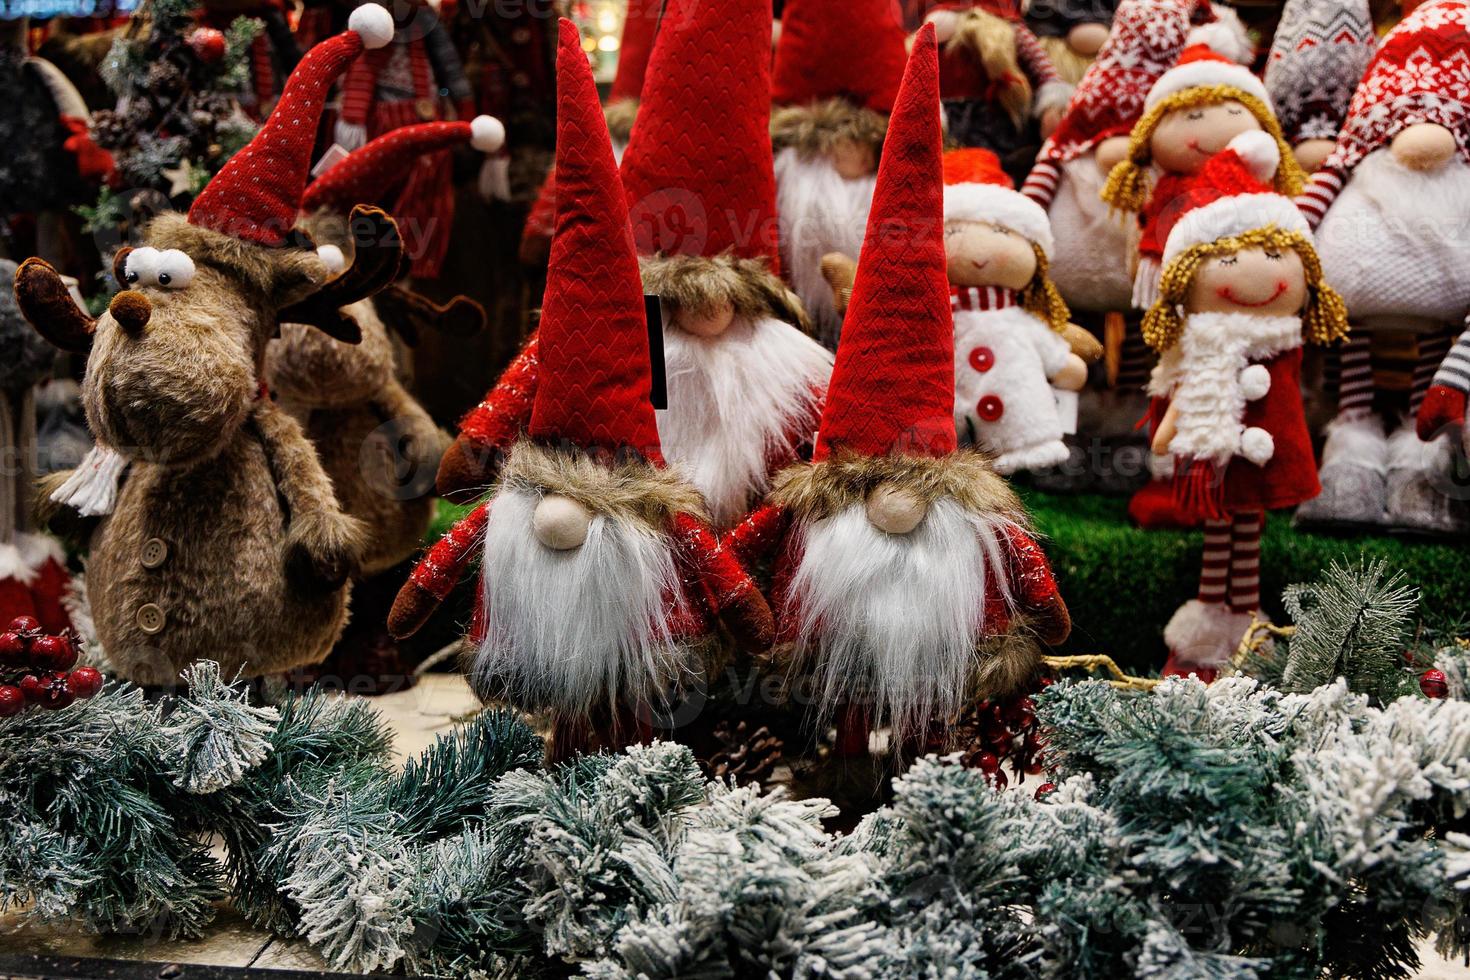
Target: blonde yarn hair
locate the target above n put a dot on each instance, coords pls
(993, 39)
(1324, 321)
(1127, 188)
(1041, 298)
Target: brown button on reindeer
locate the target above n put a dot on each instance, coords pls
(255, 578)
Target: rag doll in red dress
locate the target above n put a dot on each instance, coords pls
(1241, 291)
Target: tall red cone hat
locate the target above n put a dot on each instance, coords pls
(850, 49)
(256, 196)
(640, 27)
(369, 173)
(893, 387)
(698, 168)
(596, 381)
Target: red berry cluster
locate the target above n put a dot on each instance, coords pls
(40, 668)
(1004, 731)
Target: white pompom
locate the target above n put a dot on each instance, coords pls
(332, 258)
(1255, 381)
(373, 24)
(487, 134)
(1257, 445)
(1259, 151)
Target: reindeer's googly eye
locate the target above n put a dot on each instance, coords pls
(141, 267)
(175, 269)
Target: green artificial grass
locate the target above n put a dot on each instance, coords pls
(1122, 584)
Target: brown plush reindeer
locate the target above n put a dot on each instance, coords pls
(226, 541)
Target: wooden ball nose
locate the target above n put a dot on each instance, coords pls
(895, 511)
(560, 523)
(1423, 146)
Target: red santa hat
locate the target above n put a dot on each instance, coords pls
(977, 189)
(1231, 194)
(1420, 66)
(1220, 28)
(850, 49)
(893, 385)
(1201, 66)
(1145, 41)
(367, 174)
(698, 168)
(640, 27)
(596, 381)
(256, 196)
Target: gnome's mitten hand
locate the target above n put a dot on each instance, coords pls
(322, 549)
(749, 620)
(411, 609)
(466, 470)
(1443, 409)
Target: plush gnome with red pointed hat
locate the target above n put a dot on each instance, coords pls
(1318, 56)
(838, 65)
(745, 382)
(601, 579)
(1073, 32)
(1008, 317)
(1391, 201)
(900, 556)
(1241, 291)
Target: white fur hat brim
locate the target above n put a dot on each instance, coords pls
(1231, 216)
(1008, 208)
(1198, 74)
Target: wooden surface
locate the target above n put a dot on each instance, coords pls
(418, 716)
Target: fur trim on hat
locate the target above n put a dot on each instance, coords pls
(1231, 216)
(620, 115)
(1226, 36)
(815, 490)
(631, 488)
(818, 128)
(699, 283)
(991, 202)
(1198, 74)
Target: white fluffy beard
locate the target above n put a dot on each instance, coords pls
(894, 621)
(821, 212)
(1093, 242)
(571, 629)
(738, 402)
(1397, 241)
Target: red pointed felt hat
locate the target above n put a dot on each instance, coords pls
(596, 381)
(256, 196)
(698, 169)
(892, 389)
(640, 27)
(851, 49)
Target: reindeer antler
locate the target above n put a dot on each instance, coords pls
(378, 254)
(411, 313)
(47, 304)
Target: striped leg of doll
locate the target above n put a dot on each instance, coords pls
(1355, 381)
(1214, 572)
(1433, 347)
(1245, 561)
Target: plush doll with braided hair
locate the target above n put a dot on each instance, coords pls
(1241, 289)
(1009, 320)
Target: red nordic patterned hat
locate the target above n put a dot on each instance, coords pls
(892, 388)
(640, 27)
(256, 196)
(596, 380)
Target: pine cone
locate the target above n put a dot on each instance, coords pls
(744, 755)
(110, 130)
(164, 78)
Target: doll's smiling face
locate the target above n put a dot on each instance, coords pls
(1261, 281)
(982, 254)
(1185, 138)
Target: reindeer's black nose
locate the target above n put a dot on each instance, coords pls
(131, 310)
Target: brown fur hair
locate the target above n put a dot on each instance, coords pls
(1008, 664)
(992, 40)
(633, 489)
(284, 274)
(699, 283)
(816, 490)
(620, 116)
(817, 128)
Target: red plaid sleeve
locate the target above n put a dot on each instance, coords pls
(442, 566)
(757, 536)
(498, 420)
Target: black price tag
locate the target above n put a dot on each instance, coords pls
(653, 312)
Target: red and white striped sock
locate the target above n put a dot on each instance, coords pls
(1355, 381)
(1245, 561)
(1433, 347)
(1137, 360)
(1215, 563)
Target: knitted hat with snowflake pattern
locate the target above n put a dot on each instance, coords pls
(595, 380)
(977, 189)
(1421, 74)
(368, 173)
(698, 169)
(892, 388)
(849, 49)
(256, 196)
(1318, 56)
